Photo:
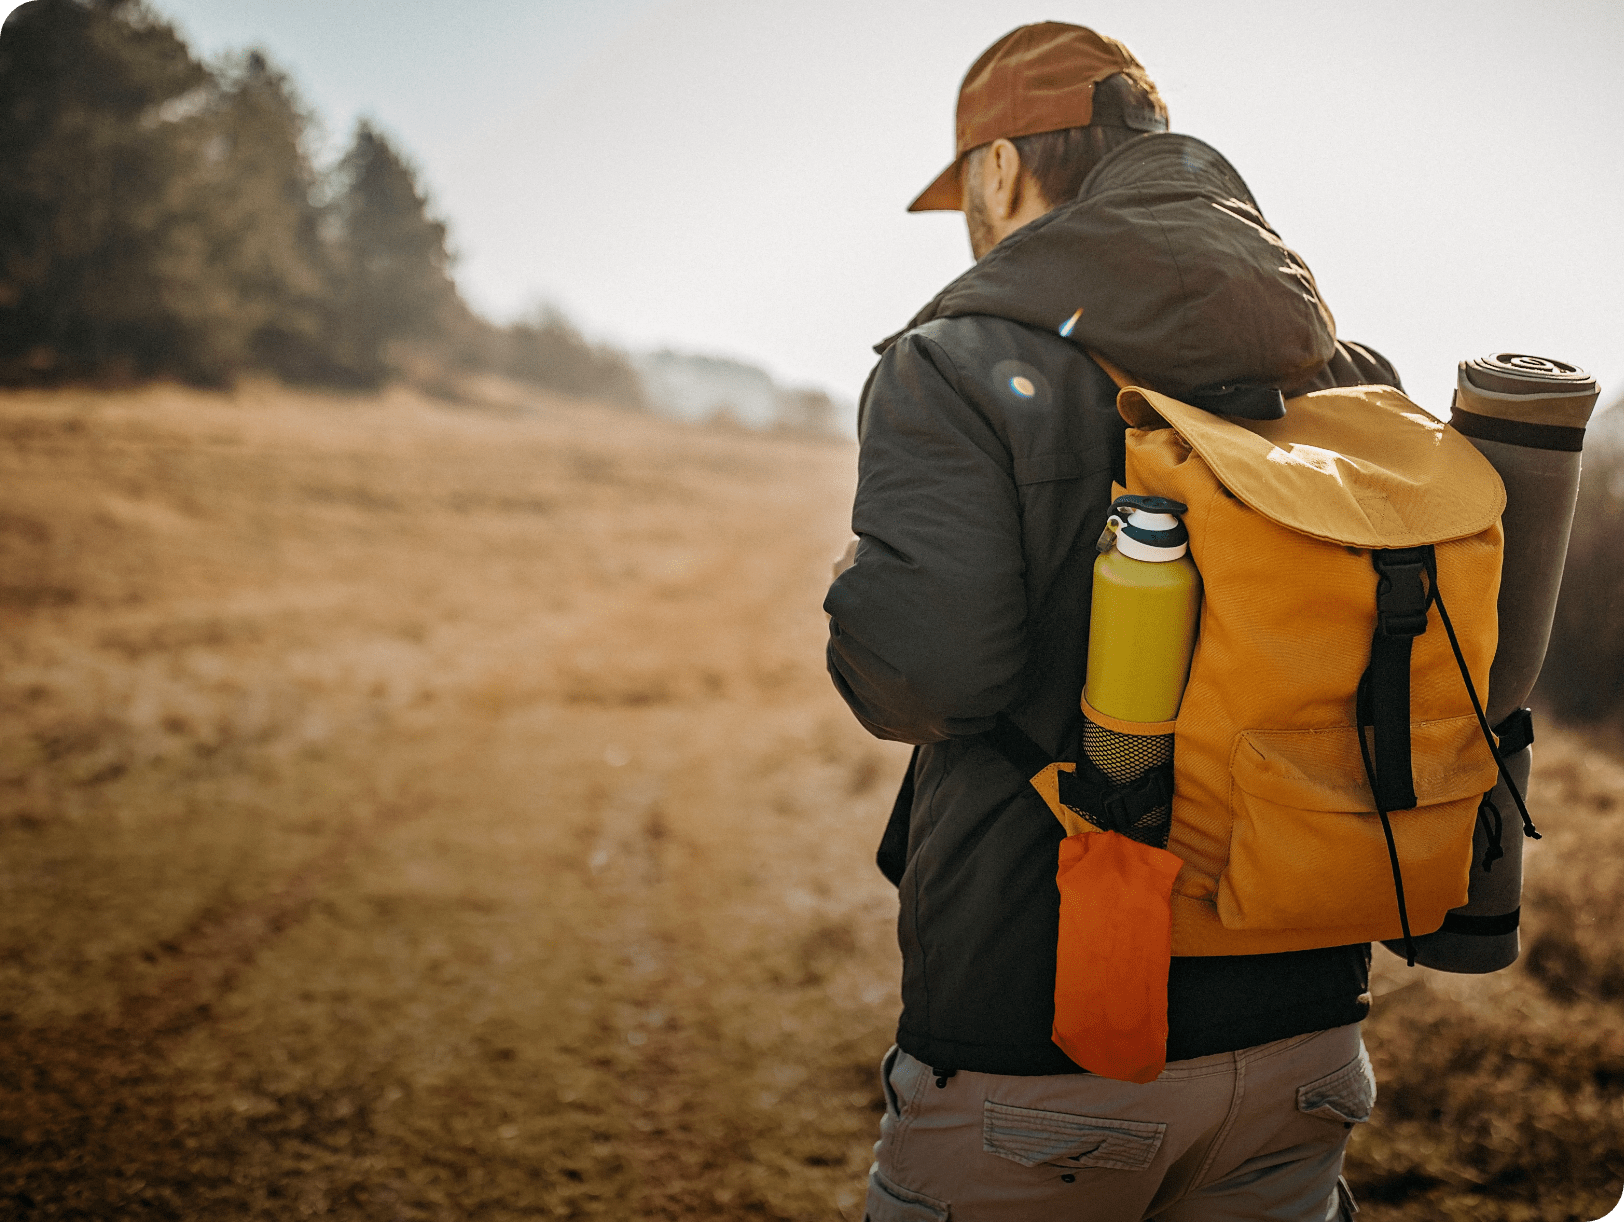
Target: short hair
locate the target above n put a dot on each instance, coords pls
(1126, 106)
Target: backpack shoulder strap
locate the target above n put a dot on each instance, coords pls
(892, 857)
(1080, 789)
(1114, 372)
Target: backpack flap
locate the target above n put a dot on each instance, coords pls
(1362, 466)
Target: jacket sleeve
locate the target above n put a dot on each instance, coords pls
(927, 628)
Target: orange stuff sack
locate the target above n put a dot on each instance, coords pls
(1116, 940)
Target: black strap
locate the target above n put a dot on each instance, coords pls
(1017, 747)
(1516, 432)
(1382, 703)
(1384, 691)
(1118, 808)
(1482, 926)
(1488, 814)
(1515, 732)
(1087, 790)
(1382, 699)
(1247, 402)
(892, 857)
(1392, 846)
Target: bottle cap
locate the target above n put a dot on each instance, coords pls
(1148, 528)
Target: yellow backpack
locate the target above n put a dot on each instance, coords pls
(1330, 752)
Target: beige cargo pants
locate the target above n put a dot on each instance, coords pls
(1248, 1135)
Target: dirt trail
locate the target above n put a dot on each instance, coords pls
(411, 811)
(419, 812)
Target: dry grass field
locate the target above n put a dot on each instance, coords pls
(422, 811)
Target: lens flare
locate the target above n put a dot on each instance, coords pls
(1067, 326)
(1023, 387)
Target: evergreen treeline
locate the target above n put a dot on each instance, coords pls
(160, 217)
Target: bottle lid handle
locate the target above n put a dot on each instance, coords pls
(1149, 504)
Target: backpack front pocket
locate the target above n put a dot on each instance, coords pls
(1307, 850)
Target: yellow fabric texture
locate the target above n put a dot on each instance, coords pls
(1047, 783)
(1150, 728)
(1272, 814)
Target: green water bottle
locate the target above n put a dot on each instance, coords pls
(1141, 635)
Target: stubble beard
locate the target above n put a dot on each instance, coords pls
(975, 218)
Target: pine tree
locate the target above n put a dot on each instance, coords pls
(265, 225)
(99, 137)
(158, 218)
(393, 264)
(155, 218)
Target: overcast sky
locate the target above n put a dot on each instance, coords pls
(729, 176)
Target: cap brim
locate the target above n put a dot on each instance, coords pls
(943, 195)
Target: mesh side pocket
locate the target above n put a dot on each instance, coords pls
(1124, 758)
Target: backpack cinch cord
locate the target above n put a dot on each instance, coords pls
(1392, 847)
(1529, 829)
(1381, 794)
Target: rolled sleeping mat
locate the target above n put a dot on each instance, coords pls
(1527, 416)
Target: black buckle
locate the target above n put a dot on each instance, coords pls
(1114, 810)
(1117, 808)
(1126, 806)
(1515, 732)
(1402, 597)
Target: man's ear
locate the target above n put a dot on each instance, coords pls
(1002, 167)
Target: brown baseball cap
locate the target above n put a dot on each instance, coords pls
(1038, 78)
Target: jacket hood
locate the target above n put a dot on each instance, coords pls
(1164, 265)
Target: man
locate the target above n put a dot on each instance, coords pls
(989, 442)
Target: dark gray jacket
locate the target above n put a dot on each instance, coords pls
(989, 440)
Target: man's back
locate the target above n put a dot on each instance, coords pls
(989, 444)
